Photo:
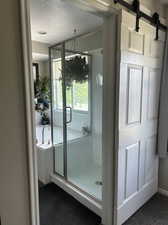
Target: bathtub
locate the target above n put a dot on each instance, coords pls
(45, 150)
(44, 162)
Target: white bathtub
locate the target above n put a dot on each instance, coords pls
(45, 152)
(45, 162)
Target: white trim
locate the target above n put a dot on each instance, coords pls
(92, 6)
(163, 191)
(110, 117)
(29, 111)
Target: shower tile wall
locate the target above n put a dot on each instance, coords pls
(97, 75)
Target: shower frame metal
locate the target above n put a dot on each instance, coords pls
(61, 47)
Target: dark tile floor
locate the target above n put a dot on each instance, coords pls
(59, 208)
(154, 212)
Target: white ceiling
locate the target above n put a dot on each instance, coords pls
(59, 18)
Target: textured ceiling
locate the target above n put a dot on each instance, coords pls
(59, 18)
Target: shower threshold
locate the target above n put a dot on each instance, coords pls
(78, 194)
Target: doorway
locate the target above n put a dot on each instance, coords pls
(102, 180)
(137, 149)
(71, 142)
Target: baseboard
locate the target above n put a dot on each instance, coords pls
(163, 191)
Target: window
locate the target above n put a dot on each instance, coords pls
(80, 96)
(35, 71)
(57, 85)
(76, 95)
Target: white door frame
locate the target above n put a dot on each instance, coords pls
(30, 114)
(110, 117)
(110, 111)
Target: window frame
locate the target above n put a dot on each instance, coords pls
(55, 93)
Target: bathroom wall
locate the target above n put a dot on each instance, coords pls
(40, 56)
(151, 5)
(40, 48)
(163, 163)
(155, 5)
(163, 174)
(43, 67)
(97, 98)
(88, 42)
(147, 5)
(43, 72)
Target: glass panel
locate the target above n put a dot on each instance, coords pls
(80, 96)
(57, 110)
(84, 127)
(77, 113)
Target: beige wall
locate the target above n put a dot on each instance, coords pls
(163, 174)
(40, 48)
(163, 163)
(154, 6)
(14, 204)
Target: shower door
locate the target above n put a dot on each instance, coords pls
(58, 109)
(78, 125)
(74, 140)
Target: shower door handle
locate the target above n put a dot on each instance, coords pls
(70, 115)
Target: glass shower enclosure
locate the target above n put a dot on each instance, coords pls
(76, 117)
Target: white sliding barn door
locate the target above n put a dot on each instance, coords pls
(140, 73)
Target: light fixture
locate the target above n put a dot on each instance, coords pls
(42, 32)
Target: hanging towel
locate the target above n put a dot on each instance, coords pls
(163, 107)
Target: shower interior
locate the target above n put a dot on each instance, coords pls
(76, 115)
(76, 120)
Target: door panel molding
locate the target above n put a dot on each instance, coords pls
(140, 72)
(134, 94)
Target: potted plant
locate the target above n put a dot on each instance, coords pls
(42, 98)
(76, 69)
